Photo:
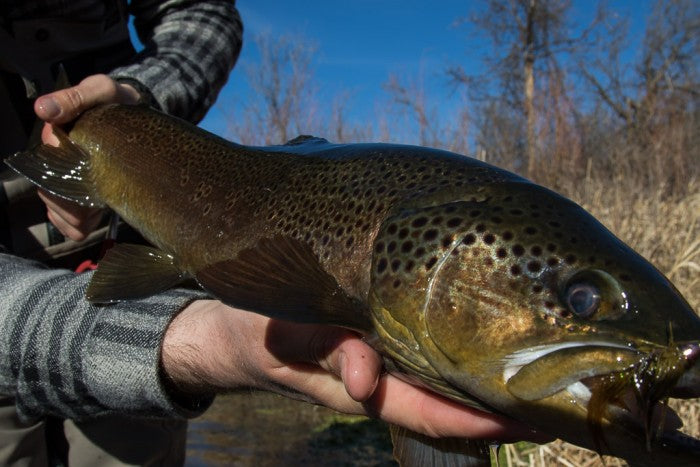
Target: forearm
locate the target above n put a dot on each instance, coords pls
(189, 49)
(60, 355)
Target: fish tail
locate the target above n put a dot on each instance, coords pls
(61, 170)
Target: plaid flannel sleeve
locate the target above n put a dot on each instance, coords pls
(60, 355)
(189, 50)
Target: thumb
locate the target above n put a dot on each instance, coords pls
(65, 105)
(336, 350)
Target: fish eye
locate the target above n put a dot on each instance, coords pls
(583, 299)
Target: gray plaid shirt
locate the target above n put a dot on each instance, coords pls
(59, 354)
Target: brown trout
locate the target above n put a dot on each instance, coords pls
(469, 280)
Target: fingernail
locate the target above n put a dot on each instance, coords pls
(49, 107)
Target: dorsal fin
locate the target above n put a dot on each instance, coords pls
(303, 139)
(281, 277)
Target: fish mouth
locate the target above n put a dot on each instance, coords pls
(623, 385)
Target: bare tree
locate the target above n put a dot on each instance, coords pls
(436, 126)
(528, 37)
(284, 104)
(410, 98)
(655, 97)
(668, 68)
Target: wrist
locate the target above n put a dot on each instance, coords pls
(202, 351)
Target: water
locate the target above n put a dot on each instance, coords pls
(260, 429)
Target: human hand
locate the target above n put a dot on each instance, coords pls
(60, 107)
(212, 348)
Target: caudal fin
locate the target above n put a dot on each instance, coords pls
(61, 170)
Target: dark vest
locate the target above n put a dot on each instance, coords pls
(30, 54)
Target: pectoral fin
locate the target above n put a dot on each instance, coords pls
(129, 272)
(282, 278)
(415, 450)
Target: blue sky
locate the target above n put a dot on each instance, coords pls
(360, 43)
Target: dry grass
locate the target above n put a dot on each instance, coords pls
(666, 230)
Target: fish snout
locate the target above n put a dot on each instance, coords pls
(691, 352)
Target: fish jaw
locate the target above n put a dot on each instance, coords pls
(622, 408)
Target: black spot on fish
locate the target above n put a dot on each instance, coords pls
(407, 246)
(536, 251)
(431, 262)
(518, 250)
(507, 235)
(534, 266)
(395, 265)
(420, 222)
(469, 239)
(420, 251)
(430, 235)
(446, 241)
(489, 239)
(501, 253)
(515, 270)
(454, 222)
(381, 265)
(530, 230)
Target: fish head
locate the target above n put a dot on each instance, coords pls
(517, 300)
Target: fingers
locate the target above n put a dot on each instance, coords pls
(398, 402)
(337, 351)
(324, 365)
(60, 107)
(65, 105)
(72, 220)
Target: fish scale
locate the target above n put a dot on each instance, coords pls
(469, 280)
